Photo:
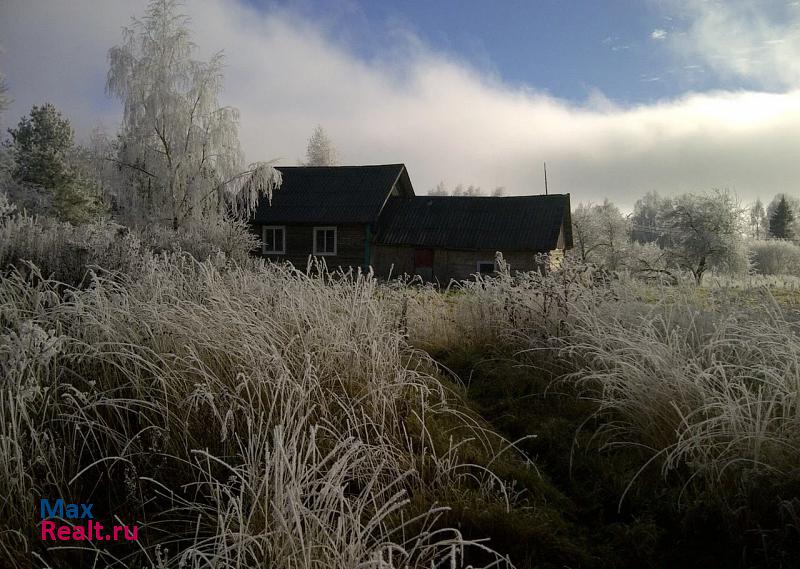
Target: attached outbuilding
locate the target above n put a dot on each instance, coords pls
(369, 216)
(453, 237)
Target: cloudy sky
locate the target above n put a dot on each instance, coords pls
(619, 97)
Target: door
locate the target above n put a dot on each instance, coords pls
(423, 263)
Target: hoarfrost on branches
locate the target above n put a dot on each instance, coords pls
(320, 151)
(7, 208)
(704, 231)
(601, 234)
(758, 219)
(4, 98)
(178, 148)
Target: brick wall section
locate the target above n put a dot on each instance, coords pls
(300, 245)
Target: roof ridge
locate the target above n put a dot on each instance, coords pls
(342, 166)
(484, 197)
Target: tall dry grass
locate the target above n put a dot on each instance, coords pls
(242, 417)
(717, 391)
(249, 415)
(706, 381)
(523, 311)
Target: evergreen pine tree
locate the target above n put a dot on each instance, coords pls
(780, 224)
(45, 161)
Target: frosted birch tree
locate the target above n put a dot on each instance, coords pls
(178, 147)
(320, 150)
(6, 162)
(758, 219)
(4, 98)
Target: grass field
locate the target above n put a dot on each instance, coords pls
(247, 415)
(667, 414)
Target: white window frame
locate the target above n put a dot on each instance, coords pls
(264, 229)
(478, 267)
(335, 241)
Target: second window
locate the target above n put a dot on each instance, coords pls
(324, 240)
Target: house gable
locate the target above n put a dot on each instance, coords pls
(343, 201)
(332, 194)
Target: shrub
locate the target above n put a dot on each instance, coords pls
(65, 252)
(7, 208)
(775, 257)
(232, 238)
(529, 310)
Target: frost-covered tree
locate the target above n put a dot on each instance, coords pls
(758, 219)
(601, 234)
(178, 146)
(460, 190)
(705, 231)
(6, 163)
(499, 192)
(320, 150)
(644, 221)
(40, 146)
(5, 100)
(98, 158)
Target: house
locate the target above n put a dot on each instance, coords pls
(369, 216)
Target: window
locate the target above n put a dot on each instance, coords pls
(324, 240)
(486, 267)
(273, 240)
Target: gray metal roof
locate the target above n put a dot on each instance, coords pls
(519, 223)
(332, 194)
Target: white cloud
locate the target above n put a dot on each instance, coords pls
(753, 40)
(445, 120)
(658, 34)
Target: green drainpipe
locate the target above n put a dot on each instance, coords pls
(367, 243)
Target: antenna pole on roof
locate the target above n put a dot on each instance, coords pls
(545, 178)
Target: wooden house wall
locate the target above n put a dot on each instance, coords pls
(447, 263)
(392, 260)
(350, 242)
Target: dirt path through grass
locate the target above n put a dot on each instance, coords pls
(588, 523)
